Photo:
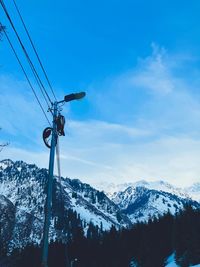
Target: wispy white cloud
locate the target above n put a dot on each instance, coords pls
(175, 160)
(94, 130)
(157, 94)
(20, 113)
(153, 73)
(148, 126)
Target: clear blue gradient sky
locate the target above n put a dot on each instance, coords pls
(138, 61)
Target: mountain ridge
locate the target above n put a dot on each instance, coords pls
(192, 191)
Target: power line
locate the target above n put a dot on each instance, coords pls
(33, 46)
(38, 80)
(29, 82)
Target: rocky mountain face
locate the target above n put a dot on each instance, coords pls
(94, 205)
(22, 199)
(141, 204)
(7, 219)
(143, 200)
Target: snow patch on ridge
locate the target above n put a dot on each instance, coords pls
(170, 262)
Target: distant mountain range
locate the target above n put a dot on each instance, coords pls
(112, 189)
(23, 193)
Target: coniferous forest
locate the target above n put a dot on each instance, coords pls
(145, 244)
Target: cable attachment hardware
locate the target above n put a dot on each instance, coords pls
(47, 133)
(60, 122)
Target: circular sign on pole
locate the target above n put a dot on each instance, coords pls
(47, 135)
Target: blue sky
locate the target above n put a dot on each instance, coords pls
(138, 61)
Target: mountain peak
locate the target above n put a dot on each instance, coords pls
(5, 163)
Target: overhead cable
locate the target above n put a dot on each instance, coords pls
(34, 48)
(42, 88)
(27, 78)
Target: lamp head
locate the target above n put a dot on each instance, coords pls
(75, 96)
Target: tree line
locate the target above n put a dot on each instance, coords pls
(146, 244)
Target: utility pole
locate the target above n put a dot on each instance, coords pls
(55, 131)
(49, 189)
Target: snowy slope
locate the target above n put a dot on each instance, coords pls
(24, 186)
(110, 188)
(194, 191)
(99, 202)
(172, 263)
(141, 203)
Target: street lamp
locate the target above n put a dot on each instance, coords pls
(60, 120)
(53, 132)
(76, 96)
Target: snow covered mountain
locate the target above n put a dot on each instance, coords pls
(111, 189)
(143, 200)
(163, 186)
(194, 191)
(141, 203)
(22, 197)
(23, 193)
